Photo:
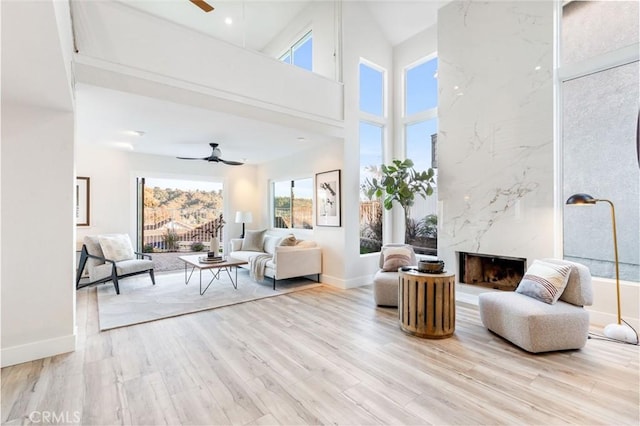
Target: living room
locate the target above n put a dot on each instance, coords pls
(526, 219)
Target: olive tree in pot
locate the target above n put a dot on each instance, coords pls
(400, 183)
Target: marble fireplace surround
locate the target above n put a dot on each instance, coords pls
(495, 138)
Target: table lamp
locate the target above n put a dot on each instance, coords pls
(243, 217)
(618, 331)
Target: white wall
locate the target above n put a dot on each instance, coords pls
(300, 166)
(362, 39)
(320, 17)
(113, 192)
(38, 296)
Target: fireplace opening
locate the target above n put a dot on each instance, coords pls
(499, 272)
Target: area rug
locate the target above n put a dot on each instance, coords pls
(139, 301)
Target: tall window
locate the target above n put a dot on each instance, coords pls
(301, 53)
(421, 133)
(599, 74)
(293, 204)
(371, 137)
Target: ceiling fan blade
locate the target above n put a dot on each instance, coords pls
(192, 158)
(231, 163)
(202, 5)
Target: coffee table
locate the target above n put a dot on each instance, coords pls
(227, 265)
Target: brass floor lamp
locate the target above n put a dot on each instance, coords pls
(616, 331)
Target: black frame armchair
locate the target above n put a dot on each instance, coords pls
(92, 256)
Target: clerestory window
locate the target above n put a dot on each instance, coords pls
(301, 53)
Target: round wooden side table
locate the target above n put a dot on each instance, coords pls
(427, 304)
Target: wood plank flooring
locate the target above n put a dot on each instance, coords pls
(320, 356)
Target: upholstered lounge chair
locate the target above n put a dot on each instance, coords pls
(385, 283)
(536, 326)
(119, 261)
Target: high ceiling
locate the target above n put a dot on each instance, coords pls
(256, 22)
(105, 116)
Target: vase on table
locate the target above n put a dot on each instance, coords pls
(214, 246)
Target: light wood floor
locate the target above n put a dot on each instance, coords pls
(320, 356)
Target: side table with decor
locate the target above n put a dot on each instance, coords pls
(427, 303)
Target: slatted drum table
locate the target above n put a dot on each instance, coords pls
(427, 304)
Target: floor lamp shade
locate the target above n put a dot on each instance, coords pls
(243, 217)
(617, 331)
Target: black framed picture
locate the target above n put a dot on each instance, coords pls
(82, 201)
(328, 198)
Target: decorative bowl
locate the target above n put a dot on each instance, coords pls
(431, 266)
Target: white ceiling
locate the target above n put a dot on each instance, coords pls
(256, 22)
(108, 118)
(104, 116)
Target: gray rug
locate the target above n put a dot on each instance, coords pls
(139, 301)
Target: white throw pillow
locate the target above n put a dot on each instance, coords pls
(253, 240)
(544, 281)
(116, 247)
(270, 243)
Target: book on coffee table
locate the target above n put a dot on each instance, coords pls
(206, 259)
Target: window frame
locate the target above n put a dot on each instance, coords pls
(272, 209)
(290, 51)
(381, 121)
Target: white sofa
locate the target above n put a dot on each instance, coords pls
(302, 259)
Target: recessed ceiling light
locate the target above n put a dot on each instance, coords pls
(123, 145)
(135, 132)
(301, 139)
(228, 20)
(455, 87)
(538, 68)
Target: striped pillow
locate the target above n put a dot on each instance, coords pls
(544, 281)
(395, 257)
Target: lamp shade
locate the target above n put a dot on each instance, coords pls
(581, 199)
(244, 217)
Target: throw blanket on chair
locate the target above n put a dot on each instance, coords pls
(257, 265)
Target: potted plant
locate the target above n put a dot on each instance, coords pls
(400, 183)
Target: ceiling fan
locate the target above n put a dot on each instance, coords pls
(215, 157)
(206, 7)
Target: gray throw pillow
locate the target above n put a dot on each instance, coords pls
(253, 240)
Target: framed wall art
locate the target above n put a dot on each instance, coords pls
(82, 201)
(328, 198)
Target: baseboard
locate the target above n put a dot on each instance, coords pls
(37, 350)
(346, 284)
(600, 319)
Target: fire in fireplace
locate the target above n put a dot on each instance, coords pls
(499, 272)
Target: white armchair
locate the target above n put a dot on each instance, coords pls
(385, 281)
(111, 257)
